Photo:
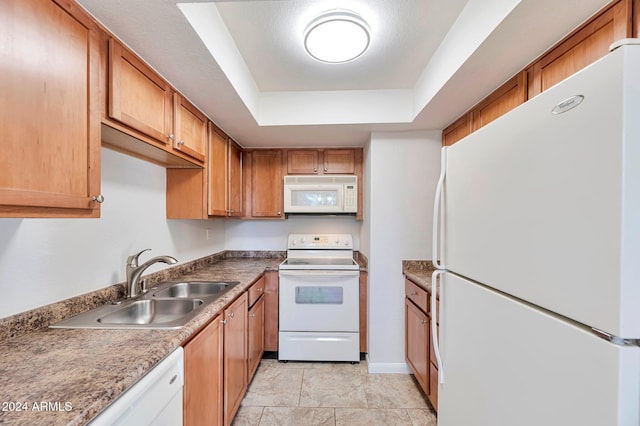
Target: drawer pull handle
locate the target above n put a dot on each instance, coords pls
(423, 321)
(173, 379)
(414, 293)
(260, 289)
(232, 314)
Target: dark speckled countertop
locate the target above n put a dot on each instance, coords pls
(78, 372)
(419, 271)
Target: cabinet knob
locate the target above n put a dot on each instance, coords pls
(279, 213)
(170, 137)
(315, 170)
(260, 289)
(232, 314)
(252, 315)
(326, 170)
(224, 321)
(423, 321)
(181, 142)
(98, 199)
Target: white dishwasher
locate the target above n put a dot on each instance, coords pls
(156, 399)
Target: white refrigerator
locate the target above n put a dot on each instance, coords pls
(537, 232)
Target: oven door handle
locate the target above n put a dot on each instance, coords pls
(319, 272)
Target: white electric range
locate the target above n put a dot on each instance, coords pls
(319, 309)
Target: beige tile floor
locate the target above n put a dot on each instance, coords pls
(340, 394)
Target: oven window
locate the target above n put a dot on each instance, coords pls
(319, 295)
(314, 198)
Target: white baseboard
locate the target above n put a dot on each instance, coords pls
(388, 367)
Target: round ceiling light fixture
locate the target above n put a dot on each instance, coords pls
(337, 36)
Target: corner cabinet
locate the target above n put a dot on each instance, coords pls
(50, 110)
(225, 174)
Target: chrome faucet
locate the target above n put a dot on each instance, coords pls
(134, 271)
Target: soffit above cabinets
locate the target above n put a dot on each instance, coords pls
(243, 63)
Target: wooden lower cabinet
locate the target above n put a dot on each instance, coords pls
(256, 336)
(417, 343)
(235, 356)
(271, 303)
(419, 351)
(203, 369)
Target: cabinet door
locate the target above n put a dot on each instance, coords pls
(433, 385)
(218, 172)
(266, 184)
(457, 130)
(302, 161)
(49, 111)
(234, 179)
(584, 47)
(417, 343)
(256, 336)
(138, 97)
(235, 356)
(190, 128)
(339, 161)
(507, 97)
(203, 376)
(271, 301)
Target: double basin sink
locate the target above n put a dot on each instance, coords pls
(167, 305)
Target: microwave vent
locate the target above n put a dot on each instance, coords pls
(314, 179)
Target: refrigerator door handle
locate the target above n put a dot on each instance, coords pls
(436, 210)
(434, 330)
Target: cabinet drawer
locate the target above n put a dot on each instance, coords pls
(417, 295)
(256, 290)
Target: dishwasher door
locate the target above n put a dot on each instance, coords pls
(156, 399)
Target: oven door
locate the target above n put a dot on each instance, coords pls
(319, 300)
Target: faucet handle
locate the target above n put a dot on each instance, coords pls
(133, 259)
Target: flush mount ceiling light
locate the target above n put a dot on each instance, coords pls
(336, 36)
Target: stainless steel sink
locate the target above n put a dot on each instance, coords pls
(168, 305)
(189, 289)
(151, 311)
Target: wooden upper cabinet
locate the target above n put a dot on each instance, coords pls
(585, 46)
(321, 161)
(225, 174)
(457, 130)
(266, 187)
(218, 172)
(235, 179)
(507, 97)
(190, 128)
(339, 161)
(138, 97)
(303, 161)
(49, 110)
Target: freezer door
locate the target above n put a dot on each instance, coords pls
(553, 199)
(506, 363)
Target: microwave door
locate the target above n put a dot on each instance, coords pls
(314, 199)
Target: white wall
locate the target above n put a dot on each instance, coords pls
(272, 234)
(402, 171)
(47, 260)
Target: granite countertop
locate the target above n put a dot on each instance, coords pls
(67, 376)
(419, 271)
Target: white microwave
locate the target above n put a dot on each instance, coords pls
(321, 194)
